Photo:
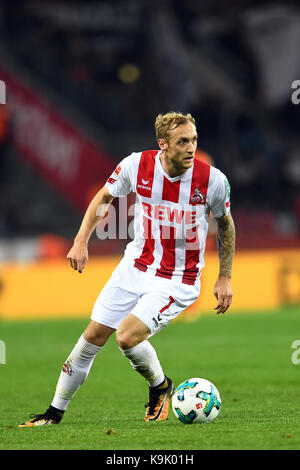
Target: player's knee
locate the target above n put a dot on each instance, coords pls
(126, 340)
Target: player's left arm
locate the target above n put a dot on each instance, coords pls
(226, 250)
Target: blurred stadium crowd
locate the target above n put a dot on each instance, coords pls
(109, 67)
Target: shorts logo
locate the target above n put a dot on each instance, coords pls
(157, 320)
(2, 92)
(159, 317)
(67, 369)
(197, 197)
(199, 406)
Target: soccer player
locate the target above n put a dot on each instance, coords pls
(159, 275)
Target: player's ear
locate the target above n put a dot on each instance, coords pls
(163, 145)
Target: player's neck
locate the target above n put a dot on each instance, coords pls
(169, 167)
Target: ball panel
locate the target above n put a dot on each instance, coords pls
(196, 400)
(185, 418)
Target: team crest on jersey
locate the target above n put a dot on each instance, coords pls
(197, 197)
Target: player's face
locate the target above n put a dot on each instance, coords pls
(181, 147)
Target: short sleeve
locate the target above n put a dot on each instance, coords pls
(119, 183)
(220, 195)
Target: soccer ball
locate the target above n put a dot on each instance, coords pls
(196, 401)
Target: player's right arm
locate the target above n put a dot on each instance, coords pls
(78, 255)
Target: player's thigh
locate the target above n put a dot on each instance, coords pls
(113, 305)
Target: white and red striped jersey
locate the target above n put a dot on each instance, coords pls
(171, 214)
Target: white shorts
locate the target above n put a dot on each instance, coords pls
(154, 301)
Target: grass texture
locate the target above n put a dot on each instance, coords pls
(247, 356)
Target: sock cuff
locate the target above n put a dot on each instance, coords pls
(88, 347)
(160, 384)
(135, 350)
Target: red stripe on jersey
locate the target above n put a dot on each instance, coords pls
(145, 173)
(200, 181)
(199, 185)
(170, 190)
(146, 257)
(192, 256)
(168, 242)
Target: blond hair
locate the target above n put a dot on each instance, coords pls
(169, 121)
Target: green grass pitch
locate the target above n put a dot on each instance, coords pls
(247, 356)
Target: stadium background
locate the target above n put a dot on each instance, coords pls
(84, 82)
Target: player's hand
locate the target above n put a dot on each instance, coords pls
(223, 294)
(78, 256)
